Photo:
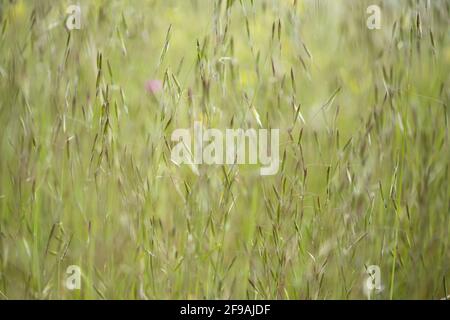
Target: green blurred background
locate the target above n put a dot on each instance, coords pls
(85, 171)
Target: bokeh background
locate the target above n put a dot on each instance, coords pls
(85, 172)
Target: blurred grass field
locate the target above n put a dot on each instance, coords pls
(85, 171)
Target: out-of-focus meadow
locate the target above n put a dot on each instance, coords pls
(85, 171)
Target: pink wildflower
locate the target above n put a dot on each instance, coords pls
(153, 86)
